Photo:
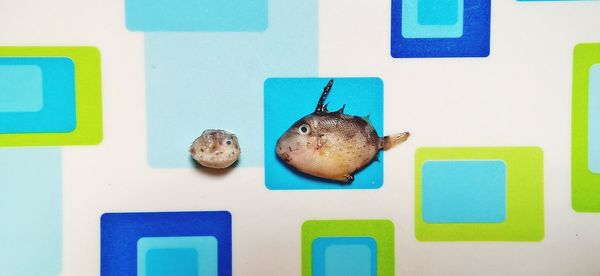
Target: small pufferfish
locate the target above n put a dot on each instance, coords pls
(332, 145)
(215, 148)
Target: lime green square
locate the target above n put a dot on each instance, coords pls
(524, 195)
(382, 231)
(585, 185)
(88, 98)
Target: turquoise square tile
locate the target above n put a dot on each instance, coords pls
(49, 110)
(438, 12)
(344, 256)
(464, 191)
(177, 256)
(31, 211)
(432, 18)
(286, 100)
(594, 120)
(196, 15)
(20, 88)
(196, 81)
(171, 261)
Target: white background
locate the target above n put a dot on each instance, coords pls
(519, 96)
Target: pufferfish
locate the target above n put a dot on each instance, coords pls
(332, 145)
(215, 148)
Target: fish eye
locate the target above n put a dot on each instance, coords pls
(228, 142)
(304, 129)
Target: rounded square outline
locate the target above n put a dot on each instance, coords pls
(120, 232)
(475, 41)
(585, 188)
(362, 181)
(382, 231)
(194, 242)
(88, 97)
(503, 218)
(524, 194)
(52, 107)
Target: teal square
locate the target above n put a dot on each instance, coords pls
(197, 81)
(594, 120)
(432, 18)
(361, 96)
(464, 191)
(195, 255)
(20, 88)
(196, 15)
(438, 12)
(31, 213)
(172, 261)
(54, 112)
(344, 256)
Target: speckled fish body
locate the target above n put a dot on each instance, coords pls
(332, 145)
(215, 149)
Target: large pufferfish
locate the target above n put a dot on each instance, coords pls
(332, 145)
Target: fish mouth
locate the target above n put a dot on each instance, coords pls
(285, 157)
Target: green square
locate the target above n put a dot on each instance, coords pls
(585, 185)
(88, 98)
(382, 231)
(524, 196)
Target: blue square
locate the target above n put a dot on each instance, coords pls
(344, 256)
(439, 12)
(196, 15)
(194, 81)
(56, 112)
(464, 191)
(20, 88)
(288, 99)
(469, 38)
(171, 261)
(594, 120)
(126, 239)
(204, 248)
(31, 211)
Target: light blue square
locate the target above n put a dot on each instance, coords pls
(196, 81)
(594, 120)
(438, 12)
(30, 211)
(172, 261)
(344, 256)
(20, 88)
(286, 100)
(174, 256)
(432, 18)
(57, 113)
(196, 15)
(464, 191)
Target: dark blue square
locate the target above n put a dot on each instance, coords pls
(475, 41)
(120, 233)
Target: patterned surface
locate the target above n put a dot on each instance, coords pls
(247, 66)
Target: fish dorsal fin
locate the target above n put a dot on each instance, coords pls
(325, 110)
(320, 107)
(367, 118)
(341, 110)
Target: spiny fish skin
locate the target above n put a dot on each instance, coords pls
(215, 148)
(332, 145)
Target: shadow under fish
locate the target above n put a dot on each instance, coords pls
(332, 145)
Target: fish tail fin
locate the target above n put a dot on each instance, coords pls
(392, 140)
